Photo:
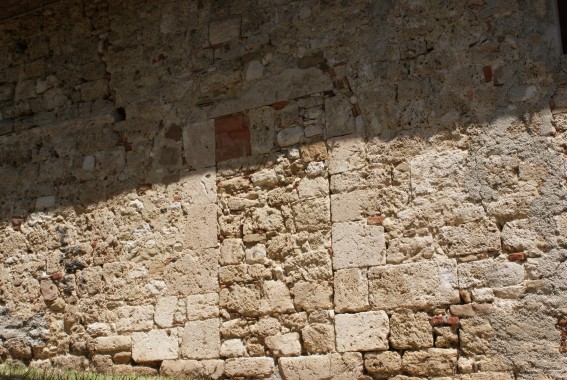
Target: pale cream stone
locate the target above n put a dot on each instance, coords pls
(209, 369)
(200, 227)
(365, 331)
(475, 335)
(346, 153)
(383, 364)
(232, 348)
(430, 362)
(198, 187)
(312, 295)
(155, 345)
(106, 344)
(490, 273)
(267, 326)
(313, 187)
(346, 366)
(250, 367)
(312, 214)
(201, 339)
(409, 330)
(284, 344)
(472, 238)
(423, 284)
(195, 273)
(165, 310)
(202, 306)
(356, 244)
(352, 205)
(314, 367)
(231, 251)
(318, 338)
(134, 318)
(276, 298)
(351, 290)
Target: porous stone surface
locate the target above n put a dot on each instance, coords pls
(285, 189)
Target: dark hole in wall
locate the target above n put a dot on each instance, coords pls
(562, 13)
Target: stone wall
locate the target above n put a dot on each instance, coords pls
(285, 189)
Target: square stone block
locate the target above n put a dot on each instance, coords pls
(201, 339)
(202, 306)
(351, 290)
(356, 244)
(366, 331)
(155, 345)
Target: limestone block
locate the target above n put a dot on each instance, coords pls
(195, 273)
(431, 362)
(351, 290)
(521, 236)
(256, 254)
(201, 339)
(284, 344)
(122, 358)
(244, 300)
(224, 30)
(206, 369)
(49, 290)
(313, 150)
(202, 306)
(356, 244)
(354, 205)
(475, 335)
(165, 309)
(409, 330)
(318, 338)
(383, 364)
(267, 326)
(276, 298)
(412, 285)
(243, 273)
(446, 337)
(249, 367)
(346, 366)
(105, 344)
(339, 118)
(409, 249)
(312, 295)
(199, 144)
(198, 187)
(155, 345)
(346, 153)
(314, 367)
(200, 229)
(365, 331)
(264, 178)
(232, 348)
(289, 136)
(231, 251)
(489, 376)
(312, 214)
(235, 328)
(261, 123)
(438, 170)
(313, 187)
(134, 318)
(470, 238)
(490, 273)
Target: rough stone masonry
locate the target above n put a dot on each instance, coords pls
(314, 189)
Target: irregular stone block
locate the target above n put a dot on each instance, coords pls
(431, 362)
(312, 214)
(250, 367)
(383, 364)
(207, 369)
(490, 273)
(470, 238)
(232, 348)
(106, 344)
(362, 332)
(284, 344)
(475, 335)
(413, 285)
(200, 230)
(312, 296)
(276, 298)
(318, 338)
(356, 244)
(346, 153)
(346, 366)
(195, 273)
(433, 171)
(134, 318)
(231, 251)
(409, 330)
(155, 345)
(339, 118)
(313, 187)
(202, 306)
(351, 290)
(49, 290)
(165, 309)
(262, 129)
(201, 339)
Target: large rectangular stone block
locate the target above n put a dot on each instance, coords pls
(490, 273)
(366, 331)
(200, 229)
(431, 362)
(106, 344)
(202, 306)
(356, 244)
(206, 369)
(351, 290)
(155, 345)
(195, 273)
(412, 285)
(250, 367)
(201, 339)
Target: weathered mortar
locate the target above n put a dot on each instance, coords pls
(296, 189)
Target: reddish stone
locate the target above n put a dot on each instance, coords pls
(438, 320)
(279, 105)
(376, 220)
(56, 276)
(487, 70)
(230, 123)
(453, 321)
(517, 256)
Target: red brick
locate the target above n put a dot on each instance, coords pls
(487, 70)
(279, 105)
(230, 123)
(376, 220)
